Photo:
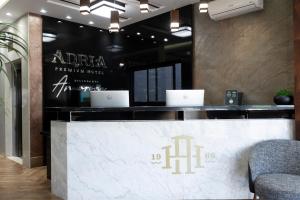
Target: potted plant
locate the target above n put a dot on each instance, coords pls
(10, 41)
(284, 97)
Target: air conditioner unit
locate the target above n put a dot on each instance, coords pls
(223, 9)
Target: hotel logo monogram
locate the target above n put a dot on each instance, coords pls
(182, 157)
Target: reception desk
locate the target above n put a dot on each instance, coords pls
(157, 160)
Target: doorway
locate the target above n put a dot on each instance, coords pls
(17, 110)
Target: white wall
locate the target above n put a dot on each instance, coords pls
(2, 119)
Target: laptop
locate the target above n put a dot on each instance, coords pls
(177, 98)
(110, 99)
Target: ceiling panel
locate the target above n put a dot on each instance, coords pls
(58, 9)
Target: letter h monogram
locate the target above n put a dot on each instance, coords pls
(180, 154)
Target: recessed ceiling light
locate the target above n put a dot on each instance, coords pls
(122, 29)
(91, 22)
(103, 8)
(43, 11)
(9, 14)
(59, 21)
(81, 26)
(166, 40)
(121, 64)
(152, 36)
(68, 17)
(138, 33)
(101, 30)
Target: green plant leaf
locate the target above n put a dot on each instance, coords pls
(284, 92)
(11, 40)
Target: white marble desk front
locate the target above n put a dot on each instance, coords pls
(157, 160)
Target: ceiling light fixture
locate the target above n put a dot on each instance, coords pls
(203, 6)
(3, 3)
(114, 21)
(138, 33)
(152, 36)
(166, 40)
(68, 17)
(174, 20)
(103, 8)
(85, 7)
(43, 11)
(59, 21)
(91, 22)
(8, 14)
(184, 31)
(49, 37)
(144, 6)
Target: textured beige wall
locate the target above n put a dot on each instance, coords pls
(35, 24)
(252, 53)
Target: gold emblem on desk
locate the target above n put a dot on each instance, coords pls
(183, 157)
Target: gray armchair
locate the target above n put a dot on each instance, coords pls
(274, 170)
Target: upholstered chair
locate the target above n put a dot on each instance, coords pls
(274, 170)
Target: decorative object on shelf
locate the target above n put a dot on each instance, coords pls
(85, 7)
(203, 6)
(174, 20)
(144, 6)
(284, 97)
(114, 21)
(233, 97)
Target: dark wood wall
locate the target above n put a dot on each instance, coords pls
(297, 64)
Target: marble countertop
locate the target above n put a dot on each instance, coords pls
(175, 109)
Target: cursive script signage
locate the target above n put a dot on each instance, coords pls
(61, 86)
(67, 73)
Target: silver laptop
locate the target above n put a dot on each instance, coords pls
(177, 98)
(110, 99)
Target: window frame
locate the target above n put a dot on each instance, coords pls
(156, 67)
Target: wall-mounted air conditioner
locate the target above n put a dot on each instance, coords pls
(223, 9)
